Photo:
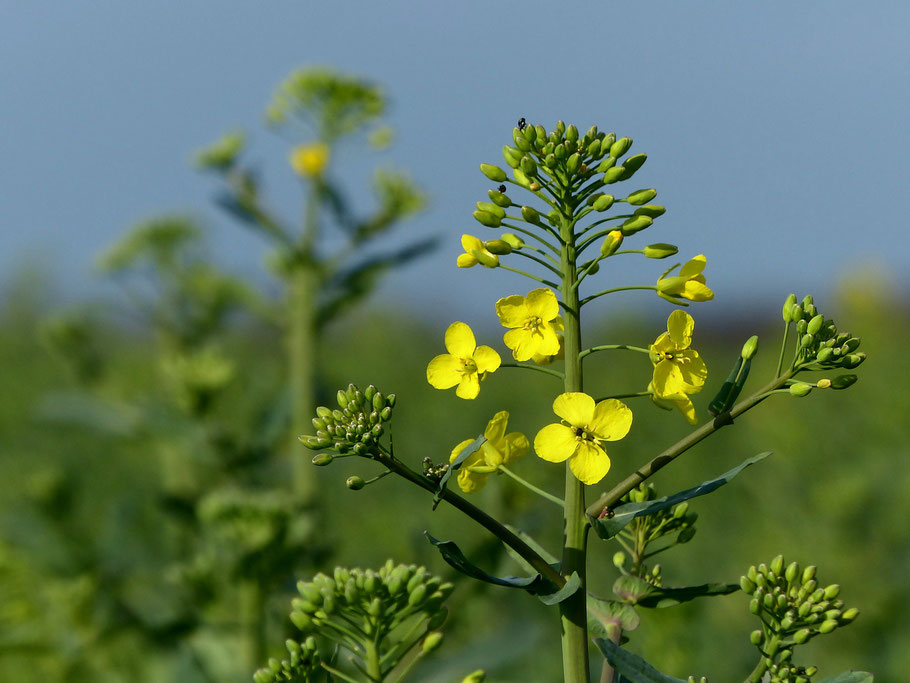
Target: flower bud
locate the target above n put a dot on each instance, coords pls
(606, 164)
(613, 175)
(823, 383)
(431, 642)
(513, 241)
(659, 250)
(747, 585)
(573, 163)
(494, 173)
(832, 591)
(754, 606)
(619, 559)
(792, 573)
(651, 210)
(636, 224)
(323, 459)
(777, 565)
(512, 157)
(796, 313)
(641, 197)
(534, 186)
(853, 360)
(750, 348)
(612, 242)
(632, 164)
(486, 218)
(478, 676)
(355, 483)
(500, 247)
(620, 147)
(800, 389)
(499, 198)
(815, 324)
(602, 202)
(301, 620)
(686, 535)
(756, 637)
(593, 149)
(827, 626)
(528, 166)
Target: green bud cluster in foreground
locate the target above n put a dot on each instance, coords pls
(392, 609)
(821, 346)
(793, 609)
(302, 665)
(356, 425)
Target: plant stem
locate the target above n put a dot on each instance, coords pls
(371, 659)
(612, 347)
(533, 277)
(680, 447)
(783, 348)
(588, 299)
(573, 610)
(528, 485)
(554, 373)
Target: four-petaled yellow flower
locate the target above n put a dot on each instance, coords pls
(534, 321)
(476, 252)
(689, 284)
(678, 370)
(580, 441)
(310, 160)
(499, 449)
(464, 365)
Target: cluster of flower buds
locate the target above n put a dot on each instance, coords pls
(355, 426)
(649, 528)
(793, 609)
(820, 344)
(302, 665)
(568, 157)
(373, 605)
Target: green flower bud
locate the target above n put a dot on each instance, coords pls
(800, 389)
(530, 133)
(815, 324)
(530, 215)
(323, 459)
(486, 218)
(632, 164)
(573, 163)
(323, 412)
(619, 559)
(478, 676)
(494, 173)
(521, 142)
(792, 572)
(528, 166)
(301, 620)
(796, 313)
(606, 164)
(541, 134)
(754, 606)
(824, 355)
(809, 574)
(500, 247)
(641, 197)
(390, 400)
(651, 210)
(378, 402)
(832, 591)
(636, 224)
(853, 360)
(612, 242)
(750, 348)
(827, 626)
(613, 175)
(659, 250)
(572, 133)
(602, 202)
(499, 198)
(807, 340)
(512, 156)
(355, 483)
(777, 565)
(560, 152)
(620, 147)
(489, 207)
(593, 149)
(513, 241)
(686, 535)
(849, 615)
(550, 161)
(431, 642)
(756, 637)
(437, 619)
(418, 595)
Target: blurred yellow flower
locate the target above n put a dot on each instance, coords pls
(499, 449)
(534, 321)
(580, 441)
(689, 284)
(476, 252)
(465, 364)
(310, 160)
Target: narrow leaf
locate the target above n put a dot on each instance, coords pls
(451, 553)
(850, 677)
(632, 667)
(607, 528)
(572, 585)
(468, 450)
(669, 597)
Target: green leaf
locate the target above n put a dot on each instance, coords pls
(572, 585)
(632, 667)
(669, 597)
(535, 546)
(468, 450)
(608, 527)
(451, 553)
(606, 617)
(850, 677)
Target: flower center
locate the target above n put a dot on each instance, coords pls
(468, 366)
(582, 434)
(533, 324)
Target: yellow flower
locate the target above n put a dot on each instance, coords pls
(534, 321)
(465, 364)
(541, 359)
(579, 442)
(499, 449)
(476, 252)
(311, 160)
(678, 370)
(689, 284)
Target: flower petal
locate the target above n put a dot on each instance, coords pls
(466, 261)
(696, 291)
(469, 481)
(555, 443)
(470, 243)
(492, 456)
(469, 386)
(487, 359)
(543, 303)
(523, 343)
(460, 340)
(459, 448)
(549, 341)
(590, 463)
(680, 326)
(668, 379)
(444, 371)
(575, 407)
(612, 420)
(496, 428)
(517, 447)
(512, 311)
(692, 369)
(686, 407)
(694, 266)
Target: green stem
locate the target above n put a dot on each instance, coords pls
(371, 659)
(338, 674)
(635, 394)
(533, 277)
(479, 516)
(588, 299)
(761, 667)
(645, 471)
(573, 610)
(253, 605)
(554, 373)
(612, 347)
(528, 485)
(537, 260)
(783, 348)
(529, 233)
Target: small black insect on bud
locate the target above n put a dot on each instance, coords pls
(502, 188)
(522, 123)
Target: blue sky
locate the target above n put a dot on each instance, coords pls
(776, 131)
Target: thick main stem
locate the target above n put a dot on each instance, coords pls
(573, 610)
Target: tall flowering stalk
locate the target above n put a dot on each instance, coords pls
(573, 224)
